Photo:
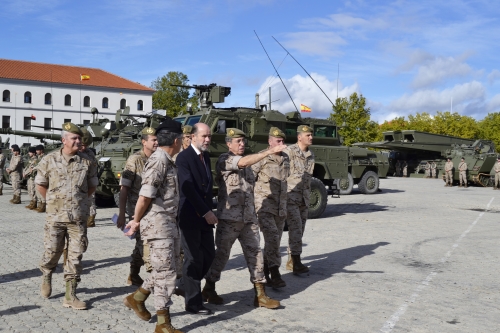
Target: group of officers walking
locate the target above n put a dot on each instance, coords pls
(166, 190)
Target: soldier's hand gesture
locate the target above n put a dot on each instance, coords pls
(277, 149)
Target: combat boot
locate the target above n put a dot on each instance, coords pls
(210, 295)
(266, 273)
(298, 267)
(262, 300)
(30, 206)
(289, 263)
(136, 300)
(133, 278)
(70, 299)
(34, 205)
(16, 200)
(276, 280)
(164, 325)
(46, 288)
(41, 209)
(91, 222)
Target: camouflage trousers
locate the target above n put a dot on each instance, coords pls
(31, 188)
(497, 179)
(463, 177)
(164, 254)
(92, 205)
(448, 177)
(296, 220)
(1, 183)
(405, 171)
(272, 228)
(55, 234)
(427, 173)
(15, 180)
(434, 173)
(39, 197)
(138, 254)
(248, 234)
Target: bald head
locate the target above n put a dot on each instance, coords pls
(201, 136)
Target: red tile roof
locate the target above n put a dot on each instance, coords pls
(36, 71)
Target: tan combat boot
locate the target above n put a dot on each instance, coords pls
(46, 288)
(41, 209)
(210, 295)
(133, 278)
(70, 299)
(163, 325)
(91, 222)
(34, 205)
(30, 206)
(262, 300)
(16, 200)
(298, 267)
(276, 280)
(135, 301)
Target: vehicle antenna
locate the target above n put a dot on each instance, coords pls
(304, 70)
(278, 74)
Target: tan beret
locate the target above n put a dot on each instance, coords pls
(234, 133)
(304, 129)
(86, 137)
(148, 131)
(187, 129)
(72, 128)
(277, 133)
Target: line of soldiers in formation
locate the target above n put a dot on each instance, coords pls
(256, 192)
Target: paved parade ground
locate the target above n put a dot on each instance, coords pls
(416, 257)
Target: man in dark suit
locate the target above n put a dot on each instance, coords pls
(196, 217)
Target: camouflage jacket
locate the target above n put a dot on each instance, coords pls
(67, 185)
(448, 166)
(236, 200)
(159, 182)
(132, 178)
(433, 166)
(462, 166)
(270, 188)
(30, 171)
(427, 166)
(16, 164)
(497, 167)
(2, 161)
(301, 170)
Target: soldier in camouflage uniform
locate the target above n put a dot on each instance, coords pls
(2, 164)
(29, 174)
(433, 169)
(299, 191)
(462, 168)
(67, 178)
(237, 218)
(86, 142)
(448, 172)
(405, 169)
(186, 139)
(40, 205)
(427, 170)
(15, 170)
(270, 194)
(496, 168)
(156, 214)
(130, 183)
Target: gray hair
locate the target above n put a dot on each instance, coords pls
(167, 138)
(228, 139)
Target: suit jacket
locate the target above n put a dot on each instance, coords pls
(195, 185)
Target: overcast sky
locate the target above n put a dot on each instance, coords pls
(403, 56)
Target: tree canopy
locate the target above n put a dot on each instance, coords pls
(172, 99)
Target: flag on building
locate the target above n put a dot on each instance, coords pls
(304, 108)
(84, 77)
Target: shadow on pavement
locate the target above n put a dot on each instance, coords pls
(18, 309)
(351, 208)
(321, 267)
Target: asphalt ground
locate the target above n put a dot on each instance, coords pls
(416, 257)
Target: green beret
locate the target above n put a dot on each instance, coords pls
(72, 128)
(187, 129)
(277, 133)
(86, 137)
(148, 131)
(304, 129)
(234, 133)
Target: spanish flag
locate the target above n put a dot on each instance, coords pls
(84, 77)
(304, 108)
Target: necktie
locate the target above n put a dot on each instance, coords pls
(203, 161)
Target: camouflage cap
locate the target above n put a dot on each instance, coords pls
(86, 137)
(277, 133)
(235, 133)
(15, 148)
(187, 129)
(32, 149)
(39, 147)
(148, 131)
(72, 128)
(304, 129)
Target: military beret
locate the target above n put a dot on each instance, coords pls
(72, 128)
(304, 129)
(15, 148)
(235, 133)
(170, 125)
(187, 129)
(39, 147)
(86, 137)
(32, 149)
(277, 133)
(148, 131)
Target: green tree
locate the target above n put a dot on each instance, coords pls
(420, 122)
(454, 124)
(354, 117)
(490, 128)
(172, 99)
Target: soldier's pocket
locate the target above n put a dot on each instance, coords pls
(82, 177)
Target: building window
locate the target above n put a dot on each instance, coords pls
(140, 105)
(123, 103)
(27, 97)
(48, 99)
(86, 101)
(5, 121)
(6, 96)
(67, 100)
(67, 121)
(86, 122)
(105, 103)
(27, 123)
(47, 124)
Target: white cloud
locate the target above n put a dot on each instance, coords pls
(494, 104)
(326, 44)
(439, 69)
(493, 76)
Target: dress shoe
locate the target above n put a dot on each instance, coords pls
(201, 310)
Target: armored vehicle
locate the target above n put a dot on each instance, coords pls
(333, 161)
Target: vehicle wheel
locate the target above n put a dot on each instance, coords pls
(369, 183)
(345, 185)
(318, 198)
